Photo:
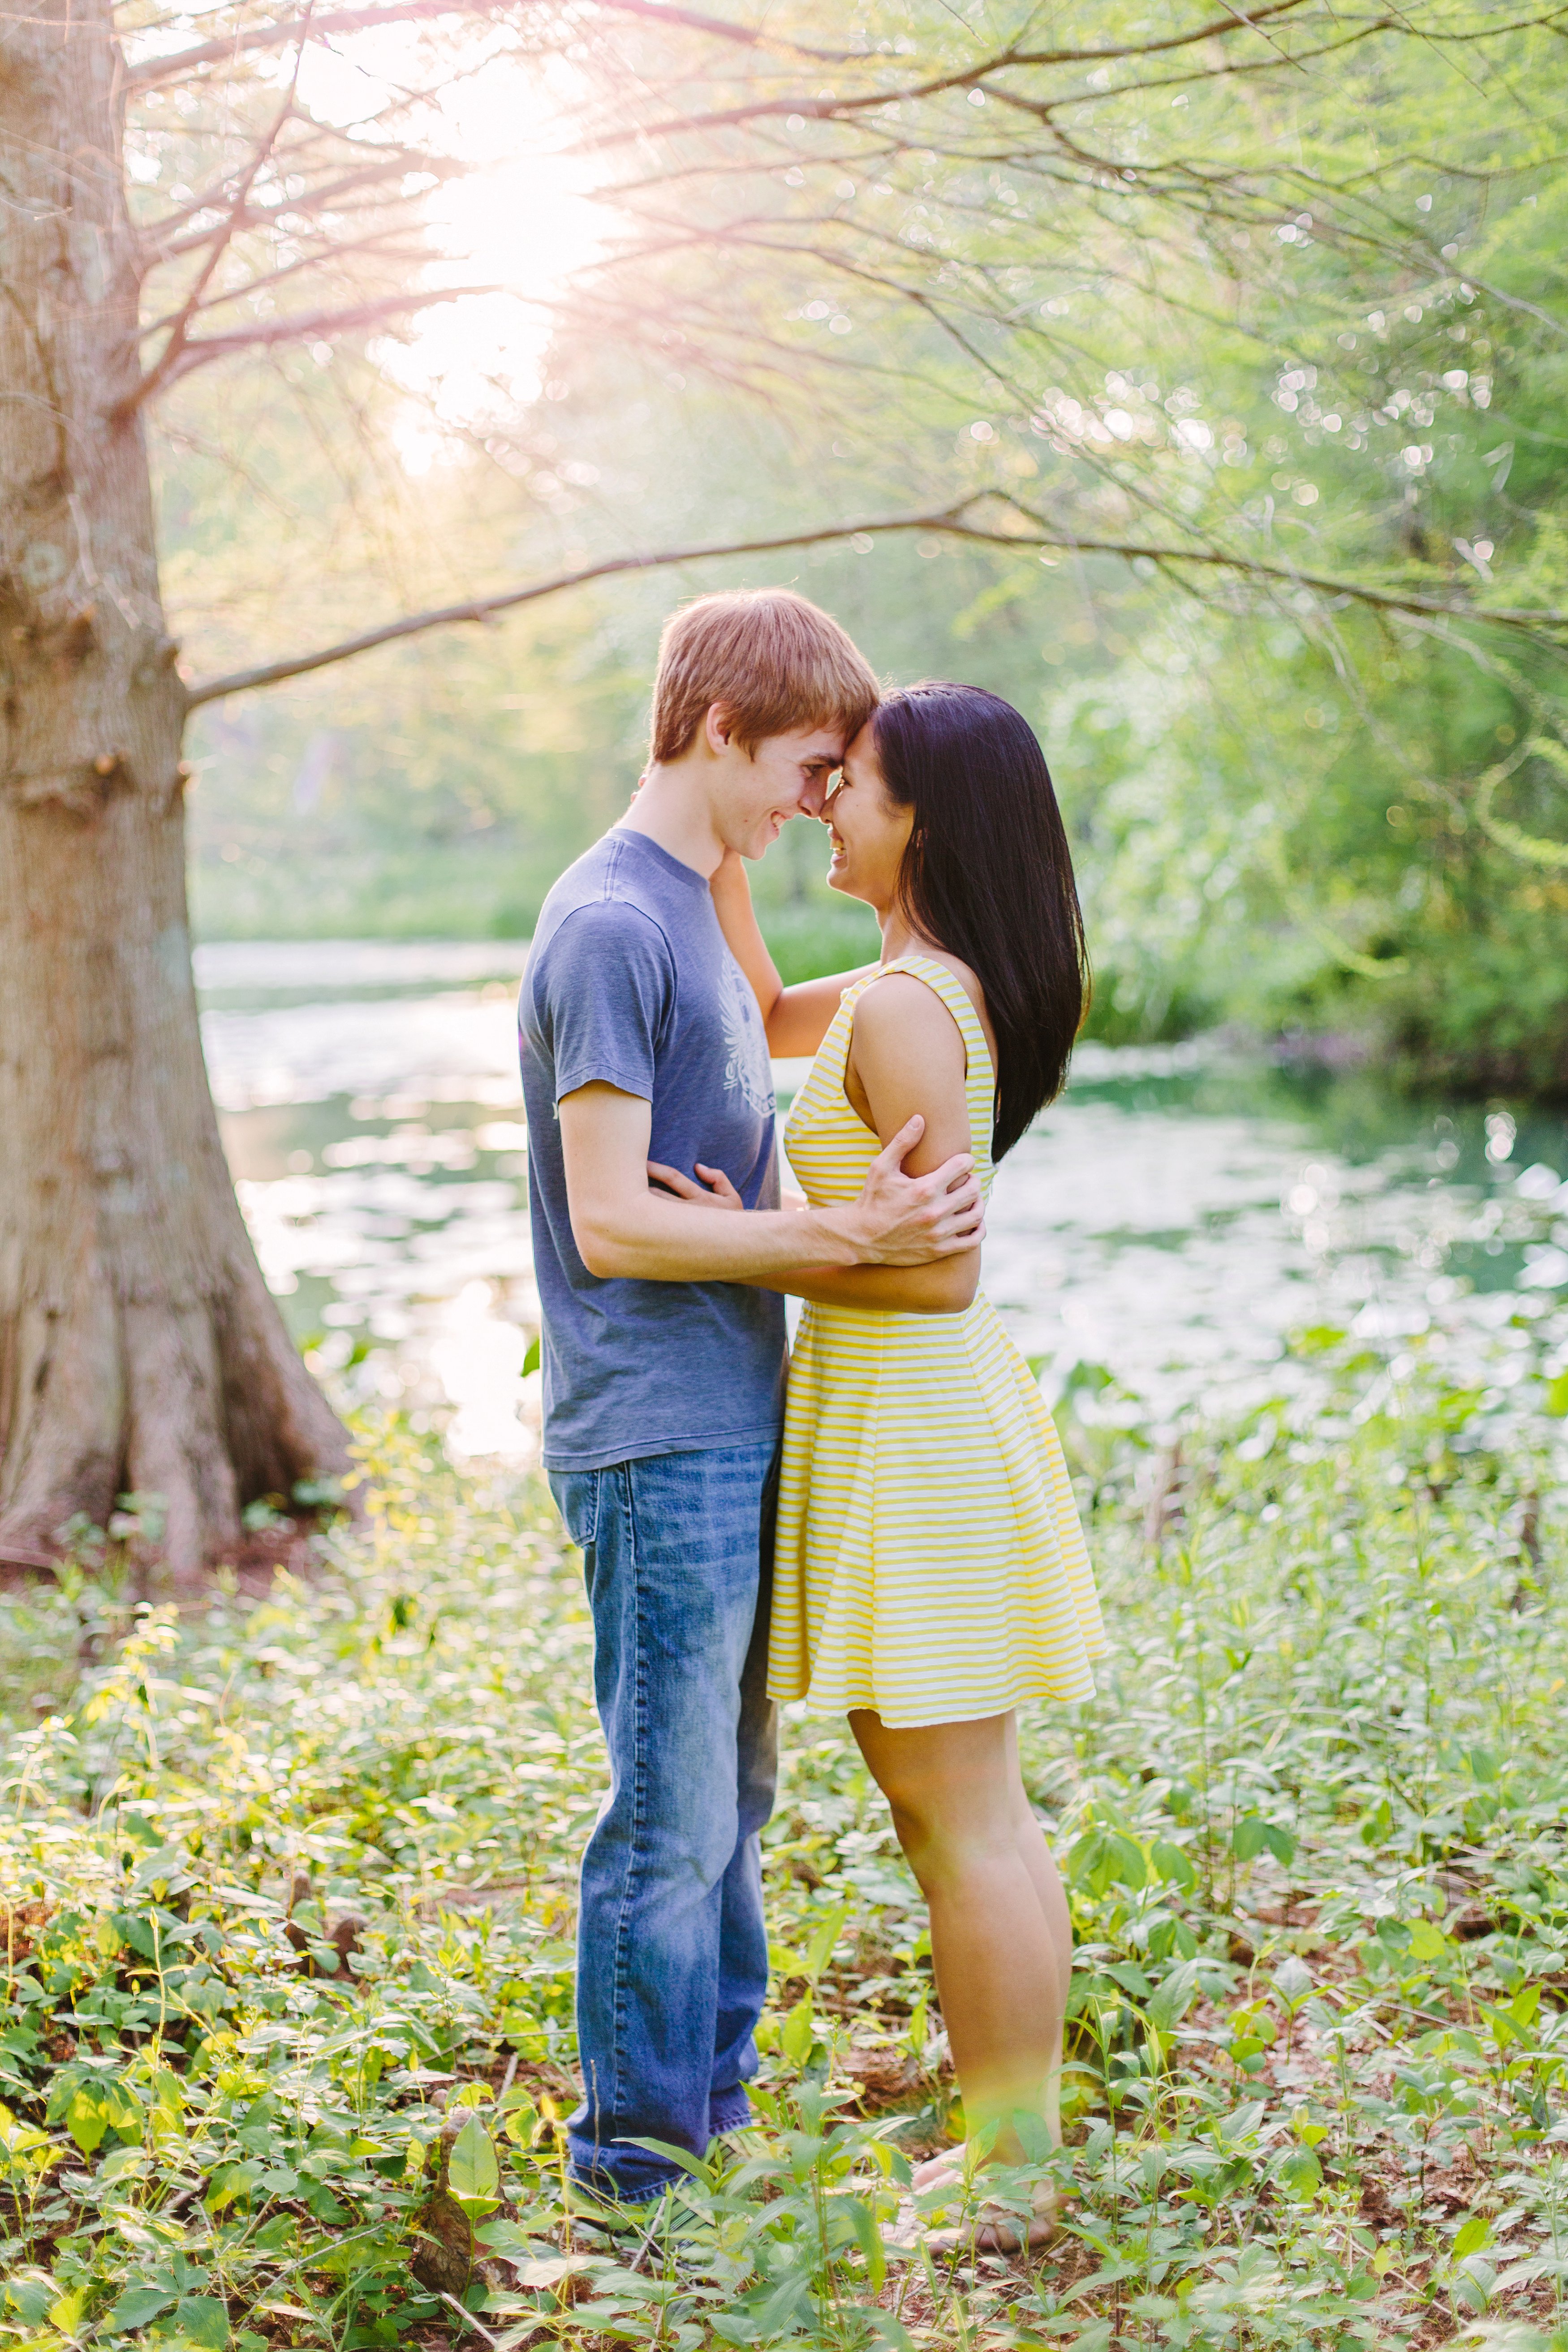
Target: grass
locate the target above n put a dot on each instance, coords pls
(287, 1895)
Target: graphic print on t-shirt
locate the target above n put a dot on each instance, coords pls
(746, 1062)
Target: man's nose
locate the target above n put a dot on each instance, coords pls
(814, 797)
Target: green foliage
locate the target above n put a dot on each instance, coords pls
(1312, 1835)
(1317, 334)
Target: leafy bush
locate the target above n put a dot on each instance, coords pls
(288, 1890)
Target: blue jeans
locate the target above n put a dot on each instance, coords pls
(672, 1954)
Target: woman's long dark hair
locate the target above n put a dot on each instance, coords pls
(988, 876)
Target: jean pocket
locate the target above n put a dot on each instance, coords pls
(577, 1493)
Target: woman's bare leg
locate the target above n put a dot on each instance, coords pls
(1042, 1870)
(1000, 1942)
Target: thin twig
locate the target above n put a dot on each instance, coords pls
(467, 2316)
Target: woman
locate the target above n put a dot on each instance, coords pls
(931, 1572)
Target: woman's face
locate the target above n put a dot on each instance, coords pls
(870, 831)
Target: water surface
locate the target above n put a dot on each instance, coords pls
(1173, 1219)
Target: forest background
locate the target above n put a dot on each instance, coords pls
(1315, 323)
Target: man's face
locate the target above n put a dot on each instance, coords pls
(787, 776)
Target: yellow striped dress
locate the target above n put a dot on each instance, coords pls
(929, 1563)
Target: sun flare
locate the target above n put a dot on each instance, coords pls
(515, 221)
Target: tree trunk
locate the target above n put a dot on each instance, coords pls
(138, 1345)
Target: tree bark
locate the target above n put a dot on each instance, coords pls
(138, 1346)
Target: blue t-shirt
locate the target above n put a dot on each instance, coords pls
(629, 981)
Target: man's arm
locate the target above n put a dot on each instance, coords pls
(795, 1019)
(622, 1226)
(907, 1050)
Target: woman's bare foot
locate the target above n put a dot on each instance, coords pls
(994, 2230)
(936, 2171)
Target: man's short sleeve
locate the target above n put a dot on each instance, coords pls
(603, 996)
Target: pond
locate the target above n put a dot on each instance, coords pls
(1169, 1222)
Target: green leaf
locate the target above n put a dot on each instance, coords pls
(775, 2314)
(552, 2269)
(1524, 2004)
(87, 2119)
(169, 2098)
(531, 1361)
(1127, 1867)
(863, 2228)
(204, 2319)
(1239, 2125)
(795, 2035)
(1253, 1835)
(682, 2156)
(1169, 2004)
(473, 2174)
(1316, 1338)
(1103, 1858)
(31, 2298)
(819, 1951)
(66, 2315)
(1471, 2236)
(1300, 2173)
(1169, 1861)
(1292, 1981)
(1428, 1941)
(136, 2308)
(1556, 1398)
(1249, 1837)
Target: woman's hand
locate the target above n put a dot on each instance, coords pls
(715, 1191)
(730, 878)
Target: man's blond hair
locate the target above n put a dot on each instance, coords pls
(775, 662)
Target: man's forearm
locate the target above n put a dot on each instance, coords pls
(655, 1239)
(944, 1287)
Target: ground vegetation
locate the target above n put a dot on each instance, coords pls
(287, 1887)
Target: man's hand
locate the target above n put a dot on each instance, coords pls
(898, 1220)
(902, 1220)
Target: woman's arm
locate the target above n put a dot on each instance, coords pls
(897, 1289)
(907, 1049)
(795, 1019)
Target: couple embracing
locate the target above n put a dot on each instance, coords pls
(897, 1537)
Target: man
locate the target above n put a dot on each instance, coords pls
(663, 1375)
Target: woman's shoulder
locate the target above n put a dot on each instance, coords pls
(915, 1015)
(906, 996)
(898, 1011)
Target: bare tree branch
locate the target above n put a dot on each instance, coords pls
(840, 108)
(952, 521)
(231, 47)
(373, 246)
(169, 240)
(225, 51)
(301, 326)
(166, 366)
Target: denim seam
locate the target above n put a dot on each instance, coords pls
(639, 1800)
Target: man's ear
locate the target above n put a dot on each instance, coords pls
(716, 726)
